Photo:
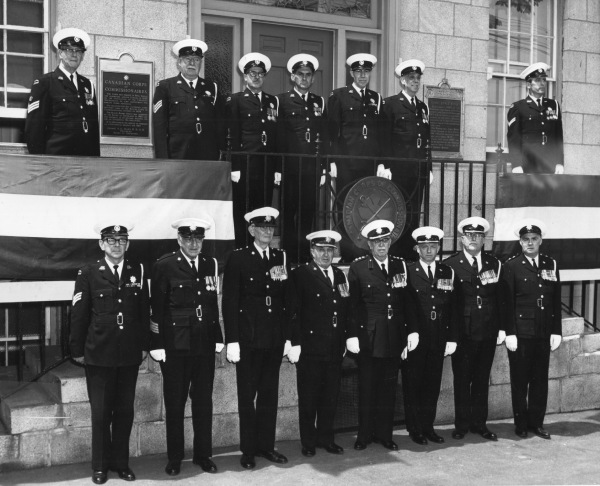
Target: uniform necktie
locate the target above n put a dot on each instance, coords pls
(265, 256)
(362, 93)
(192, 85)
(384, 270)
(429, 273)
(73, 80)
(193, 263)
(327, 272)
(534, 264)
(412, 102)
(475, 266)
(304, 96)
(117, 279)
(257, 96)
(539, 102)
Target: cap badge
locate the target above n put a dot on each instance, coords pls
(257, 62)
(76, 39)
(414, 68)
(192, 228)
(540, 70)
(117, 228)
(194, 48)
(268, 219)
(361, 62)
(304, 63)
(428, 237)
(529, 227)
(328, 240)
(378, 231)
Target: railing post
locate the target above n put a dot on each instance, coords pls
(501, 165)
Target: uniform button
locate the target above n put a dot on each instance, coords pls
(542, 123)
(249, 114)
(197, 280)
(120, 301)
(197, 119)
(311, 332)
(307, 119)
(541, 296)
(81, 107)
(251, 278)
(478, 286)
(198, 292)
(542, 308)
(335, 313)
(269, 310)
(180, 286)
(335, 301)
(388, 295)
(267, 286)
(389, 306)
(540, 285)
(64, 99)
(318, 295)
(479, 306)
(350, 107)
(196, 107)
(267, 273)
(263, 120)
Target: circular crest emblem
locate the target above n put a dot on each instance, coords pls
(370, 199)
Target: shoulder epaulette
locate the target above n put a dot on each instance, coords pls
(360, 258)
(513, 257)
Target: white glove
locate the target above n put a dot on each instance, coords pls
(517, 170)
(404, 354)
(294, 354)
(450, 348)
(511, 342)
(555, 340)
(233, 352)
(277, 178)
(383, 172)
(153, 326)
(559, 169)
(413, 340)
(333, 170)
(287, 347)
(352, 345)
(501, 337)
(158, 355)
(235, 176)
(322, 182)
(430, 177)
(219, 347)
(80, 360)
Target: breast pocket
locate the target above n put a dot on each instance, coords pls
(103, 300)
(182, 294)
(181, 328)
(178, 105)
(526, 322)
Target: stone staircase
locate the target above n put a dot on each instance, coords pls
(48, 422)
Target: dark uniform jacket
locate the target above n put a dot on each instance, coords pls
(318, 312)
(184, 305)
(406, 127)
(354, 124)
(62, 119)
(300, 122)
(187, 122)
(252, 122)
(535, 135)
(110, 324)
(482, 296)
(383, 311)
(438, 304)
(533, 303)
(253, 298)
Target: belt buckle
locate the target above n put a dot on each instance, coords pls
(199, 128)
(120, 320)
(85, 126)
(334, 321)
(199, 311)
(307, 136)
(390, 313)
(268, 301)
(479, 300)
(540, 303)
(364, 131)
(433, 315)
(544, 139)
(419, 142)
(263, 138)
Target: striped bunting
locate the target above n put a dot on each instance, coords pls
(570, 207)
(49, 205)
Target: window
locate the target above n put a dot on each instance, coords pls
(23, 44)
(521, 32)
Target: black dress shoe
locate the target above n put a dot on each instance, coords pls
(360, 445)
(433, 437)
(124, 473)
(273, 456)
(206, 464)
(99, 476)
(308, 451)
(418, 438)
(485, 433)
(458, 434)
(540, 432)
(521, 433)
(247, 461)
(388, 444)
(173, 468)
(332, 448)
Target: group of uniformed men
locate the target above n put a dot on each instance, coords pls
(386, 311)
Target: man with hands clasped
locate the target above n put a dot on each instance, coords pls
(436, 289)
(186, 335)
(383, 311)
(533, 328)
(317, 306)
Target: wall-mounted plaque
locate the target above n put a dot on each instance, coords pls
(445, 119)
(125, 98)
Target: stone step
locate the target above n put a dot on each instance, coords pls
(572, 325)
(66, 383)
(27, 406)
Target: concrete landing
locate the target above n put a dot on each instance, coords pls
(571, 457)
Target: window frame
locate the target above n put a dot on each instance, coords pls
(507, 63)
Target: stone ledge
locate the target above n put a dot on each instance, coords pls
(590, 342)
(580, 393)
(585, 364)
(572, 326)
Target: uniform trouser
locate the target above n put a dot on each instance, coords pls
(471, 366)
(421, 382)
(529, 381)
(193, 375)
(111, 391)
(377, 382)
(318, 389)
(257, 375)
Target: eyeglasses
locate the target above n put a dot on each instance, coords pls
(474, 236)
(362, 72)
(189, 239)
(255, 75)
(114, 241)
(191, 60)
(383, 240)
(69, 50)
(303, 75)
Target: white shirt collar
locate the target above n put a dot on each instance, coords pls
(194, 82)
(68, 74)
(195, 260)
(300, 94)
(385, 262)
(119, 265)
(425, 265)
(358, 89)
(471, 257)
(409, 97)
(260, 250)
(536, 260)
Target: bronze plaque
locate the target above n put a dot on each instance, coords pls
(369, 199)
(445, 120)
